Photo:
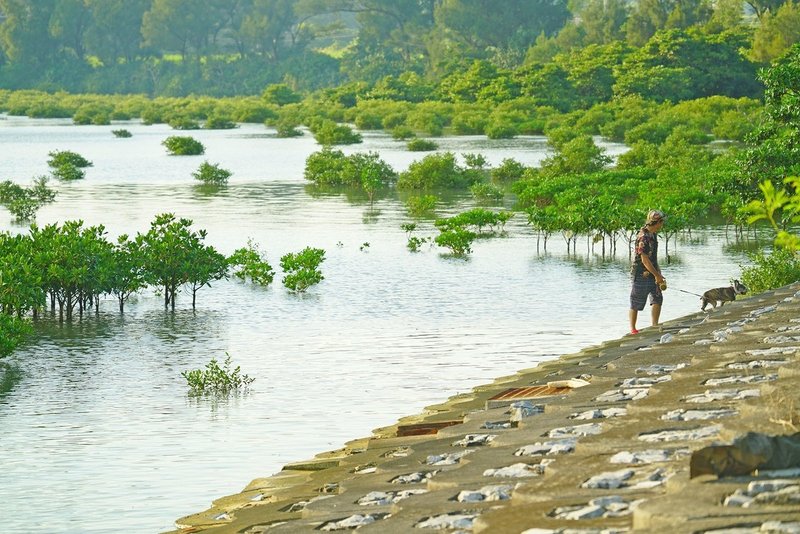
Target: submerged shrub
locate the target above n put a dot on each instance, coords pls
(250, 262)
(183, 146)
(61, 157)
(215, 379)
(121, 133)
(68, 172)
(212, 174)
(219, 123)
(301, 269)
(24, 202)
(483, 192)
(331, 133)
(421, 206)
(458, 240)
(421, 145)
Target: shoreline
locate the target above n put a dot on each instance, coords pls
(568, 444)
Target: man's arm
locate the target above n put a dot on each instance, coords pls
(650, 267)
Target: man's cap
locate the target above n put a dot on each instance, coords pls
(655, 217)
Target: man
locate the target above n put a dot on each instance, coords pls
(647, 278)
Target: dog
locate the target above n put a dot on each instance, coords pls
(722, 294)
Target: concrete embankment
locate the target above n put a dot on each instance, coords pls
(598, 441)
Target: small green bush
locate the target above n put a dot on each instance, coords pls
(122, 133)
(301, 269)
(68, 172)
(421, 206)
(771, 271)
(509, 170)
(24, 202)
(483, 192)
(215, 379)
(402, 132)
(421, 145)
(61, 157)
(250, 262)
(330, 133)
(183, 146)
(219, 123)
(212, 174)
(458, 240)
(183, 123)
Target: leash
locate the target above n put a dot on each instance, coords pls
(689, 292)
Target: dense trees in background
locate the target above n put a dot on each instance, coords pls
(398, 47)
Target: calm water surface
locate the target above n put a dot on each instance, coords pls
(99, 435)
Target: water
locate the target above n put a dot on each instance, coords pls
(99, 434)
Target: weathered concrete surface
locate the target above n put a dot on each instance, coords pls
(658, 396)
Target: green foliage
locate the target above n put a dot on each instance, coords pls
(280, 94)
(218, 122)
(421, 145)
(250, 263)
(60, 158)
(121, 133)
(780, 208)
(182, 122)
(421, 205)
(458, 240)
(13, 331)
(330, 167)
(580, 155)
(212, 174)
(509, 170)
(477, 218)
(771, 271)
(216, 380)
(329, 133)
(24, 202)
(401, 132)
(172, 255)
(68, 172)
(435, 171)
(183, 146)
(301, 269)
(486, 193)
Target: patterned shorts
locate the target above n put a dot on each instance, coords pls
(643, 286)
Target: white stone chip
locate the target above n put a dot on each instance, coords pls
(681, 435)
(658, 369)
(383, 498)
(599, 414)
(781, 339)
(756, 364)
(609, 479)
(762, 311)
(441, 522)
(588, 429)
(561, 446)
(519, 470)
(619, 395)
(698, 415)
(772, 351)
(722, 394)
(740, 379)
(475, 440)
(414, 478)
(447, 458)
(643, 382)
(526, 408)
(353, 521)
(486, 494)
(666, 338)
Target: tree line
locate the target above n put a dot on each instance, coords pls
(227, 47)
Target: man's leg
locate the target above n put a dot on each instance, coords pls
(655, 313)
(632, 315)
